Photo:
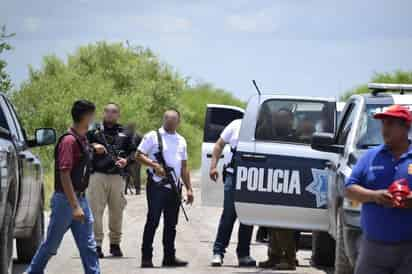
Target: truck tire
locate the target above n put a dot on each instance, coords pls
(27, 247)
(323, 249)
(6, 241)
(342, 263)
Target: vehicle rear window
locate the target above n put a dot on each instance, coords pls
(294, 121)
(216, 120)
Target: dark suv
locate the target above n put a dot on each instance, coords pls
(21, 188)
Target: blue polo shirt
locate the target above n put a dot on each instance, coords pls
(376, 170)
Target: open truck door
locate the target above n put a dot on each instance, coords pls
(280, 180)
(216, 119)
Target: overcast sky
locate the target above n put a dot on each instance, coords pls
(298, 47)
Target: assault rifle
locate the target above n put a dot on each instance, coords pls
(171, 178)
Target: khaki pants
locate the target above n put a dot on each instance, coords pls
(106, 189)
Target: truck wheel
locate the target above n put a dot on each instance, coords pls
(323, 249)
(342, 263)
(6, 241)
(27, 247)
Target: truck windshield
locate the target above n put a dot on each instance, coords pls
(293, 121)
(370, 128)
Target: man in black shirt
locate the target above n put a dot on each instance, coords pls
(114, 147)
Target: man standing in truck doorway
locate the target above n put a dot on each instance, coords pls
(230, 135)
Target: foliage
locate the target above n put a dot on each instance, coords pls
(133, 77)
(400, 77)
(5, 81)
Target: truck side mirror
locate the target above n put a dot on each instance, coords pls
(43, 137)
(326, 142)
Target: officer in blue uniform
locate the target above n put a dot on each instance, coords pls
(386, 247)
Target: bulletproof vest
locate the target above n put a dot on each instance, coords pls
(117, 139)
(80, 172)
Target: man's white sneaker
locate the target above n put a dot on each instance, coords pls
(247, 261)
(217, 260)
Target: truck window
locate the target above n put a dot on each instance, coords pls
(369, 133)
(293, 121)
(3, 121)
(346, 125)
(216, 120)
(16, 121)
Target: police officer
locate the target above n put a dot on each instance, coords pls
(160, 195)
(230, 135)
(69, 206)
(386, 223)
(114, 147)
(282, 242)
(134, 167)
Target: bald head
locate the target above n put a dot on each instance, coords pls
(171, 120)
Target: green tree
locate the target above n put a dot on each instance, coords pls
(5, 81)
(400, 77)
(133, 77)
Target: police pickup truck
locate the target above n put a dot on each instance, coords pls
(21, 187)
(280, 180)
(295, 180)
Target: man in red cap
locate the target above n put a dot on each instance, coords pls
(386, 246)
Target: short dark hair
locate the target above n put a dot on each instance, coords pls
(81, 108)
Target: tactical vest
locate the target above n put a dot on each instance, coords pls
(80, 172)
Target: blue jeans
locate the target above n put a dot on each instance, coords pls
(61, 220)
(160, 200)
(226, 223)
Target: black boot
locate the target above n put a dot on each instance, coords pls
(115, 250)
(173, 262)
(147, 263)
(99, 252)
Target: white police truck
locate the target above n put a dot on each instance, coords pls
(297, 181)
(280, 182)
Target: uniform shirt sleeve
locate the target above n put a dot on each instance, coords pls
(359, 172)
(184, 151)
(67, 149)
(228, 132)
(147, 144)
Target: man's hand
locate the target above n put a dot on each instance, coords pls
(214, 174)
(78, 214)
(408, 201)
(99, 148)
(383, 197)
(159, 170)
(121, 162)
(189, 197)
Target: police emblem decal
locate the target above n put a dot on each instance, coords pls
(319, 186)
(410, 169)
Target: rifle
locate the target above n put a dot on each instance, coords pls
(171, 177)
(114, 154)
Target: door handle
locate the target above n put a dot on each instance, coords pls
(253, 157)
(209, 155)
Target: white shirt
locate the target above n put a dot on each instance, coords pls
(230, 135)
(174, 149)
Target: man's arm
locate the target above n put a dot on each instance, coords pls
(187, 182)
(145, 160)
(67, 185)
(217, 152)
(364, 195)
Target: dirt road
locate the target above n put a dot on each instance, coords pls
(194, 243)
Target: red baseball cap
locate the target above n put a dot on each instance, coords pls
(395, 111)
